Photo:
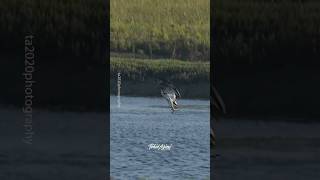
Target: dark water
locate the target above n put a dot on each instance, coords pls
(140, 121)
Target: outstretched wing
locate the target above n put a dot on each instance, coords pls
(168, 84)
(177, 92)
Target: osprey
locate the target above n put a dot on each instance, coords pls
(217, 108)
(170, 93)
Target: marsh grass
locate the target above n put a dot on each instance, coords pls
(244, 30)
(263, 31)
(177, 29)
(142, 69)
(60, 27)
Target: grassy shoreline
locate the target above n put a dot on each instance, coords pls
(138, 76)
(140, 69)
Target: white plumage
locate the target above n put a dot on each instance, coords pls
(171, 98)
(170, 93)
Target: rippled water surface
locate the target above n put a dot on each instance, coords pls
(141, 121)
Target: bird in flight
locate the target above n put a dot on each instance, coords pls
(170, 93)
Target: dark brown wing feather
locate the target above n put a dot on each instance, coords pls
(217, 108)
(218, 103)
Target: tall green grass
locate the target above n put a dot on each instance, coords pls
(259, 31)
(72, 27)
(142, 69)
(244, 30)
(161, 28)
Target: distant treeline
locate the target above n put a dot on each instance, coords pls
(263, 31)
(177, 29)
(60, 27)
